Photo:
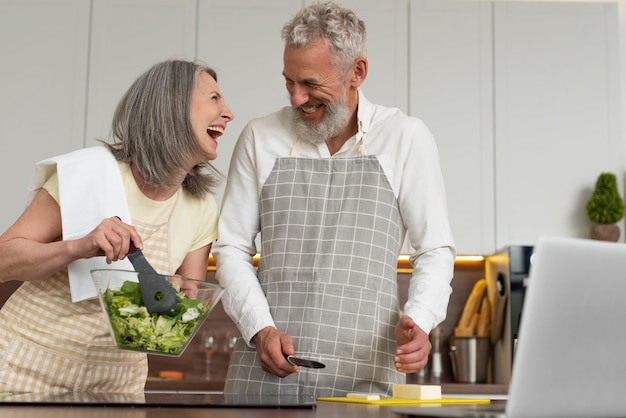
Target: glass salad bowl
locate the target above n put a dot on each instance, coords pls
(134, 328)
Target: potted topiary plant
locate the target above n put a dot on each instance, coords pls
(605, 208)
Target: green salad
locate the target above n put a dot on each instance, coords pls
(137, 329)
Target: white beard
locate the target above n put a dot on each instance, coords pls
(335, 119)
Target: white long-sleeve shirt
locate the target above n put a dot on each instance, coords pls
(408, 155)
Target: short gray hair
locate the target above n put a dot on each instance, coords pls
(152, 130)
(339, 27)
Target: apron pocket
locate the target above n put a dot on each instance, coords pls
(326, 319)
(28, 367)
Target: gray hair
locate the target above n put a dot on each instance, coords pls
(152, 129)
(339, 27)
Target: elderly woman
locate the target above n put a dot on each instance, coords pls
(86, 207)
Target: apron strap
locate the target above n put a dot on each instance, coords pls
(363, 137)
(362, 145)
(295, 149)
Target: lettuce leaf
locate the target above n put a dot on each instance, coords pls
(137, 329)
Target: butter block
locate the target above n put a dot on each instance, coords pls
(363, 396)
(419, 392)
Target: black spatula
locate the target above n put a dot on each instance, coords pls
(158, 294)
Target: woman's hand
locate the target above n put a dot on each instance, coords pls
(32, 247)
(111, 239)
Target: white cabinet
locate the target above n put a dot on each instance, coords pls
(451, 86)
(522, 97)
(523, 101)
(44, 46)
(127, 37)
(63, 75)
(557, 123)
(387, 44)
(241, 40)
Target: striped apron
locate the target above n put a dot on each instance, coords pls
(330, 236)
(50, 344)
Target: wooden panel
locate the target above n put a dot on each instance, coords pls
(192, 362)
(7, 289)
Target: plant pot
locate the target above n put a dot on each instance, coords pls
(605, 232)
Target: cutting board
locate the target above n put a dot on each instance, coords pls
(399, 401)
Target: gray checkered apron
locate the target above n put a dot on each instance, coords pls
(330, 236)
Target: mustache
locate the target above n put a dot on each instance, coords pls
(335, 117)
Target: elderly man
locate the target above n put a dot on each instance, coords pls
(333, 183)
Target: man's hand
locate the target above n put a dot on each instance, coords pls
(413, 346)
(272, 346)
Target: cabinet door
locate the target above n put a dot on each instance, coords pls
(451, 89)
(129, 36)
(557, 120)
(241, 40)
(387, 42)
(44, 74)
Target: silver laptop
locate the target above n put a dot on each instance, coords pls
(570, 359)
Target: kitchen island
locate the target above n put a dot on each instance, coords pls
(181, 405)
(186, 405)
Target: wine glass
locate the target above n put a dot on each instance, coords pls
(209, 345)
(230, 340)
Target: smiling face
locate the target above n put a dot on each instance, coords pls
(209, 114)
(324, 101)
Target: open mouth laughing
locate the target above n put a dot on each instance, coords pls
(215, 131)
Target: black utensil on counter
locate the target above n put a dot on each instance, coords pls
(158, 294)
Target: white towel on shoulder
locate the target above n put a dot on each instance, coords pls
(90, 190)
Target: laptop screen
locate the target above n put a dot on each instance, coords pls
(569, 359)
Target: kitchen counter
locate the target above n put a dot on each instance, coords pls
(185, 405)
(217, 385)
(326, 410)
